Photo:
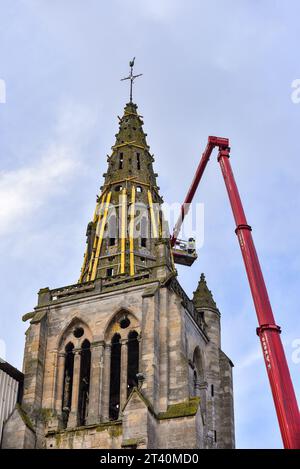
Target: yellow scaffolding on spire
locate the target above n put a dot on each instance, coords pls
(152, 215)
(95, 217)
(131, 231)
(98, 241)
(123, 229)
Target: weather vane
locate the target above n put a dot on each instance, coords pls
(131, 77)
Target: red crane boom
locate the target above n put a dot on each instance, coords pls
(268, 331)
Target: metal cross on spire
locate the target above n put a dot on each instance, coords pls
(131, 77)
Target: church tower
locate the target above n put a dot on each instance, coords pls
(124, 358)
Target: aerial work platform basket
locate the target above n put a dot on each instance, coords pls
(184, 252)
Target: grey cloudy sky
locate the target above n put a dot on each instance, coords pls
(210, 68)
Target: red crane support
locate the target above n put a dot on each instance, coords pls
(269, 333)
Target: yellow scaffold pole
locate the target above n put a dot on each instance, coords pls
(96, 214)
(103, 221)
(131, 231)
(123, 229)
(152, 215)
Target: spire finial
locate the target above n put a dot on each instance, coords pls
(131, 77)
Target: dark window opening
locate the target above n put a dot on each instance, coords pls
(112, 241)
(118, 188)
(115, 370)
(212, 390)
(84, 383)
(110, 272)
(133, 361)
(78, 332)
(68, 383)
(124, 322)
(138, 161)
(121, 161)
(195, 382)
(215, 436)
(144, 232)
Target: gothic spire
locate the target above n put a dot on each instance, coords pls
(202, 296)
(122, 238)
(130, 157)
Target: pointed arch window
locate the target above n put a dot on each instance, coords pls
(133, 361)
(84, 384)
(68, 382)
(115, 378)
(198, 376)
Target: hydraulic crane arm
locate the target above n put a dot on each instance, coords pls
(269, 333)
(212, 142)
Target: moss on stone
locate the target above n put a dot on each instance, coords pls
(101, 428)
(38, 317)
(25, 417)
(57, 440)
(27, 316)
(114, 428)
(182, 409)
(115, 431)
(46, 414)
(150, 291)
(132, 442)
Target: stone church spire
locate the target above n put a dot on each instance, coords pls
(130, 157)
(203, 297)
(122, 238)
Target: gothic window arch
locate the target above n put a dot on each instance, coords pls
(67, 382)
(122, 338)
(115, 376)
(198, 374)
(72, 394)
(199, 378)
(84, 382)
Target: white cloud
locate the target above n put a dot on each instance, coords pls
(25, 190)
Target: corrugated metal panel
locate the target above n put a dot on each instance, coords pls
(8, 396)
